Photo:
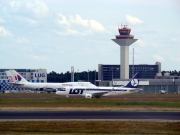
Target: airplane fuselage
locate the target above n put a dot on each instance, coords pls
(51, 86)
(90, 91)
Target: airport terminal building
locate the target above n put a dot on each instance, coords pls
(109, 72)
(151, 81)
(31, 75)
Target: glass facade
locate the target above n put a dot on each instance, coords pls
(147, 71)
(109, 72)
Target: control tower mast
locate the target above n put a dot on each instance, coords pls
(124, 40)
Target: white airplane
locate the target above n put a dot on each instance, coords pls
(97, 92)
(16, 79)
(163, 91)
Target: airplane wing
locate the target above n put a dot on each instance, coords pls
(47, 89)
(14, 83)
(99, 94)
(135, 90)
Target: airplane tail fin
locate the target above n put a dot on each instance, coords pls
(134, 82)
(10, 77)
(15, 77)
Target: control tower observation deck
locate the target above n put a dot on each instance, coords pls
(124, 40)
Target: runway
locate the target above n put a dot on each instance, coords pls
(88, 115)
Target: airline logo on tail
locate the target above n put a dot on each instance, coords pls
(134, 82)
(14, 77)
(18, 77)
(10, 79)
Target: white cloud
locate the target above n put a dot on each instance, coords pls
(15, 4)
(4, 32)
(133, 20)
(79, 26)
(96, 26)
(158, 58)
(78, 20)
(63, 20)
(38, 7)
(87, 23)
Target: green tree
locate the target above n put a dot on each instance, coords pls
(66, 77)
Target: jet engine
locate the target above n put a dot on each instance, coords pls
(88, 96)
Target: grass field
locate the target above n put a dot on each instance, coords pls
(133, 102)
(44, 101)
(89, 127)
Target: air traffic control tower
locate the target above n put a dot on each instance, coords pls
(124, 40)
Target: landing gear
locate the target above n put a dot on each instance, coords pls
(97, 97)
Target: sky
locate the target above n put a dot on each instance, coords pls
(58, 34)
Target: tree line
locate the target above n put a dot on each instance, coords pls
(90, 76)
(172, 73)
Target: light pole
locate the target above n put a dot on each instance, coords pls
(95, 77)
(72, 73)
(77, 74)
(88, 75)
(112, 75)
(112, 72)
(174, 85)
